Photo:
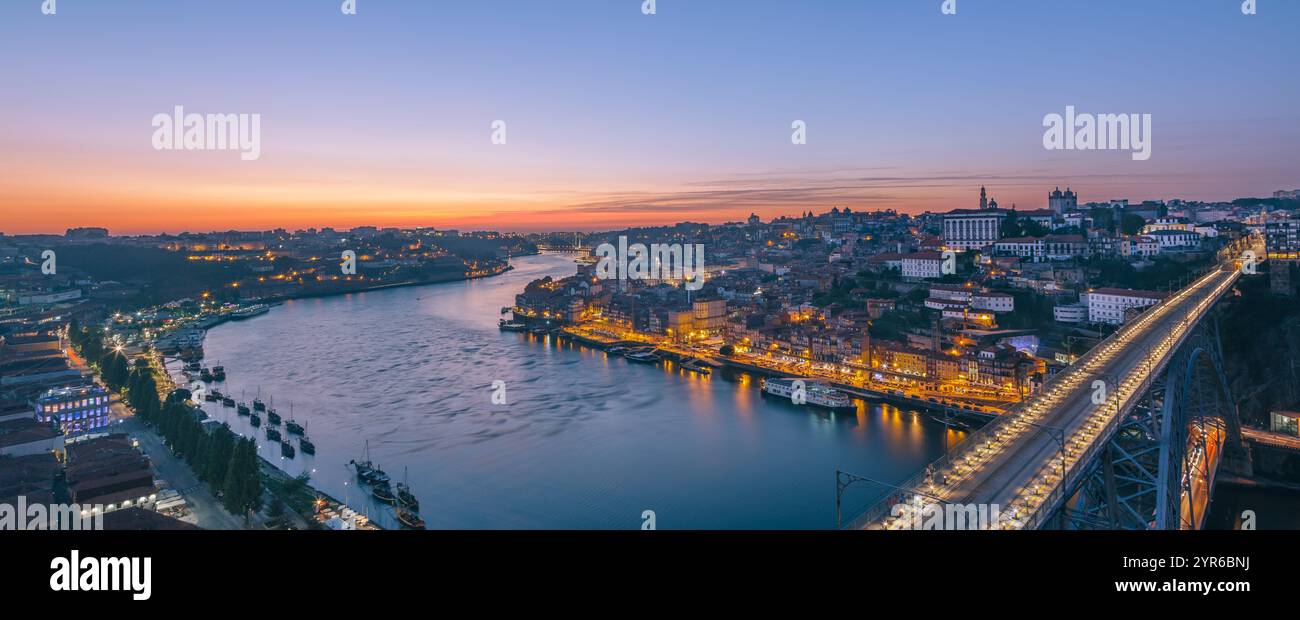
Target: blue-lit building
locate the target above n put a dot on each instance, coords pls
(77, 409)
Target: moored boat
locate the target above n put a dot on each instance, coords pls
(382, 492)
(409, 519)
(808, 391)
(287, 450)
(272, 434)
(404, 495)
(306, 446)
(643, 357)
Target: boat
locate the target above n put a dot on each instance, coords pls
(643, 357)
(292, 427)
(205, 375)
(255, 420)
(409, 519)
(286, 449)
(814, 393)
(511, 326)
(216, 394)
(258, 405)
(193, 367)
(306, 446)
(272, 417)
(363, 468)
(272, 434)
(228, 401)
(382, 492)
(242, 409)
(250, 312)
(404, 495)
(218, 373)
(209, 397)
(615, 350)
(377, 476)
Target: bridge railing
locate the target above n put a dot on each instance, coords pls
(881, 508)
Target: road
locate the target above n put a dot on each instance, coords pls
(206, 511)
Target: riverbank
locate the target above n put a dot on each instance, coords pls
(894, 397)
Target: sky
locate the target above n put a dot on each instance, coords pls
(616, 118)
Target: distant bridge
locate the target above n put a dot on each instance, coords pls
(1128, 437)
(563, 248)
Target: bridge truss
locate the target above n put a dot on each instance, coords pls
(1159, 465)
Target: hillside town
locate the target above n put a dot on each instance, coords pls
(974, 307)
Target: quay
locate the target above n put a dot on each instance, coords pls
(895, 397)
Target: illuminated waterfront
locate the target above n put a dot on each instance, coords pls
(587, 440)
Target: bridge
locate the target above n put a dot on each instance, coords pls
(564, 248)
(1128, 437)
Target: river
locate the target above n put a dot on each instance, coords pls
(585, 441)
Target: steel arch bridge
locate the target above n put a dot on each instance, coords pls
(1158, 469)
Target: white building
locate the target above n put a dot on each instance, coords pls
(1071, 313)
(1140, 246)
(993, 302)
(1110, 305)
(922, 265)
(972, 229)
(1171, 239)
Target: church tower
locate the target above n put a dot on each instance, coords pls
(984, 199)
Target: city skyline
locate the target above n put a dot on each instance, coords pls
(633, 119)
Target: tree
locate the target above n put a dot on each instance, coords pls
(1132, 223)
(113, 369)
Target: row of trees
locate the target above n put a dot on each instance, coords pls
(226, 461)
